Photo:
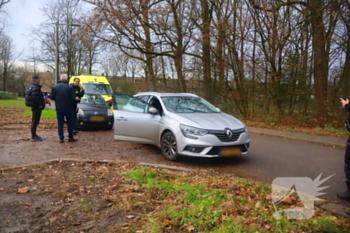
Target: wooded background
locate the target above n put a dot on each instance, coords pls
(282, 61)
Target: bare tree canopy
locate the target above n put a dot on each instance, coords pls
(3, 2)
(285, 57)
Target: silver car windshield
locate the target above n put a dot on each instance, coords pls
(97, 88)
(187, 104)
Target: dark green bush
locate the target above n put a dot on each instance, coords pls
(7, 96)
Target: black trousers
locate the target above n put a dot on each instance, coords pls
(75, 117)
(36, 114)
(347, 163)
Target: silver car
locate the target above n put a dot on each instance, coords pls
(180, 124)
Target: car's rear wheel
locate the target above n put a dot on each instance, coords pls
(169, 146)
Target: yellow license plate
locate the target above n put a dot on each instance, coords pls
(230, 151)
(97, 118)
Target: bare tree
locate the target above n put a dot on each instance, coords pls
(203, 12)
(131, 26)
(174, 24)
(3, 19)
(231, 29)
(6, 58)
(319, 12)
(3, 2)
(61, 17)
(21, 77)
(344, 36)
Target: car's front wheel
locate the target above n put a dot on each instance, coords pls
(169, 146)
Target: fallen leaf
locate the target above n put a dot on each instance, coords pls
(22, 190)
(190, 228)
(53, 219)
(268, 197)
(258, 204)
(1, 189)
(287, 201)
(8, 221)
(168, 222)
(130, 216)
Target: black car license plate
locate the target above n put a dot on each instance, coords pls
(97, 118)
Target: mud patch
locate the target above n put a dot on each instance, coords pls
(65, 197)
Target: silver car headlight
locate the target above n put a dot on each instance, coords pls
(109, 112)
(246, 129)
(192, 132)
(80, 112)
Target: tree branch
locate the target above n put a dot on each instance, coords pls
(278, 6)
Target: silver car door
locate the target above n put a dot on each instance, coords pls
(134, 123)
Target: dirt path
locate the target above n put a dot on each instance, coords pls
(17, 149)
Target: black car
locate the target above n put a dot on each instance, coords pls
(94, 112)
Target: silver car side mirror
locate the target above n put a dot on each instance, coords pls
(153, 111)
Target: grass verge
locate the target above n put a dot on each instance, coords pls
(18, 108)
(213, 202)
(15, 115)
(124, 197)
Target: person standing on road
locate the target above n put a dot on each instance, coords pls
(79, 93)
(346, 195)
(34, 98)
(64, 98)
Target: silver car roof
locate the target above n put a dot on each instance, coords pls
(163, 94)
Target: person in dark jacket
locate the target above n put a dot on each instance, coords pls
(346, 195)
(64, 98)
(35, 99)
(79, 93)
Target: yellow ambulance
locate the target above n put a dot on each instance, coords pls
(95, 84)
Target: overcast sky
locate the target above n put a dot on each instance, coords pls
(23, 17)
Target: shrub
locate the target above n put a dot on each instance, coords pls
(7, 96)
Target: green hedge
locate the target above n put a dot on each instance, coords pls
(7, 96)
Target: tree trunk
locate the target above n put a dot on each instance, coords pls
(152, 81)
(345, 76)
(320, 61)
(4, 74)
(206, 60)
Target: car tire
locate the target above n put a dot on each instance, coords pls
(169, 146)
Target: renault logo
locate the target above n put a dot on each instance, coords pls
(228, 133)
